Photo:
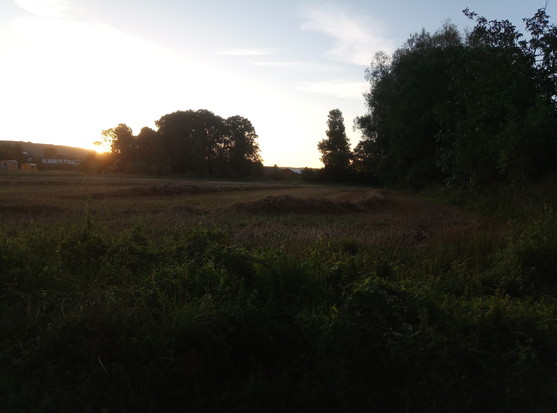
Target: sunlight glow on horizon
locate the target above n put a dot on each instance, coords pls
(80, 78)
(73, 68)
(71, 75)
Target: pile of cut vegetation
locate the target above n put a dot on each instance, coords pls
(169, 190)
(158, 190)
(286, 204)
(30, 209)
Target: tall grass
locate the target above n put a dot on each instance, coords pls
(189, 319)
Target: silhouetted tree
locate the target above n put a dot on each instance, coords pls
(150, 155)
(335, 149)
(12, 151)
(243, 151)
(401, 125)
(187, 138)
(202, 143)
(500, 121)
(123, 146)
(467, 111)
(198, 142)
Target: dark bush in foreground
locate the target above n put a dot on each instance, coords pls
(190, 322)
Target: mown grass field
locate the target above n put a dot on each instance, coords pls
(253, 214)
(134, 294)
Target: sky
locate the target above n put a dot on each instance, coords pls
(72, 68)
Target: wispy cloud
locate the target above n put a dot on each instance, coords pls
(275, 64)
(45, 8)
(337, 88)
(356, 38)
(247, 52)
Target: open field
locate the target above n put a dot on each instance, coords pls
(124, 294)
(254, 214)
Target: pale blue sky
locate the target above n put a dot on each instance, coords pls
(71, 68)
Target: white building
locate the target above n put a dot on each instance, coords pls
(73, 162)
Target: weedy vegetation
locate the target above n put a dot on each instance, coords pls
(124, 294)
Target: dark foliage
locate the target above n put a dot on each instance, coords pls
(92, 321)
(335, 149)
(472, 112)
(12, 151)
(197, 143)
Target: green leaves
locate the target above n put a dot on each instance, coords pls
(469, 112)
(152, 321)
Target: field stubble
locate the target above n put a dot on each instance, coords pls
(253, 214)
(156, 295)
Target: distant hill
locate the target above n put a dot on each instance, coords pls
(69, 152)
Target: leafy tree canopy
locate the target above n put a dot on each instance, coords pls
(335, 149)
(198, 142)
(465, 110)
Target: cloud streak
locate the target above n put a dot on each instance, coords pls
(275, 64)
(336, 88)
(356, 38)
(247, 52)
(44, 8)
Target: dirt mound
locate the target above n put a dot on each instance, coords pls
(31, 209)
(169, 190)
(184, 209)
(34, 182)
(286, 204)
(158, 190)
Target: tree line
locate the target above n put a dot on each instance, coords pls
(12, 151)
(466, 110)
(196, 143)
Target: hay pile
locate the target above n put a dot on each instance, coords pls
(286, 204)
(30, 209)
(171, 190)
